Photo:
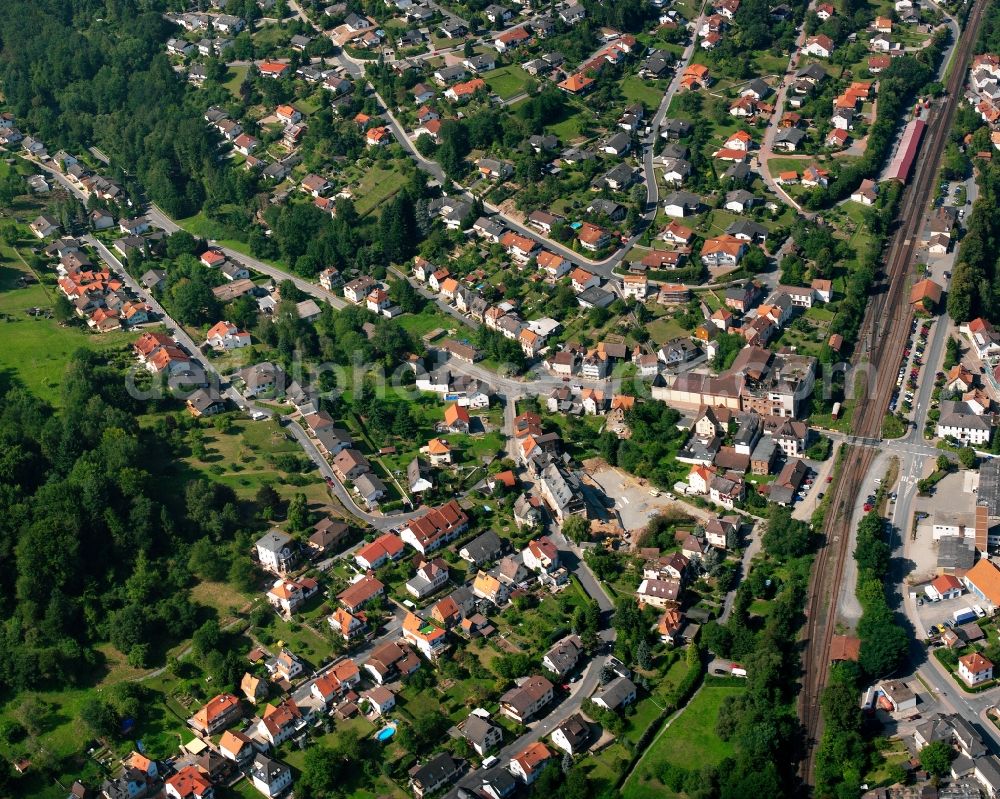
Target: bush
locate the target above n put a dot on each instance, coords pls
(820, 449)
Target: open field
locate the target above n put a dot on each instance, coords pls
(638, 91)
(200, 225)
(376, 186)
(35, 350)
(507, 81)
(243, 459)
(689, 739)
(234, 83)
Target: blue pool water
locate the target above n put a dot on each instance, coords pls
(386, 733)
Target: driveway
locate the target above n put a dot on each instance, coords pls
(337, 488)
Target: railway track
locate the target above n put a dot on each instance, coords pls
(885, 329)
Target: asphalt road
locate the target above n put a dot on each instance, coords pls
(914, 454)
(379, 522)
(779, 107)
(360, 656)
(649, 143)
(161, 220)
(566, 704)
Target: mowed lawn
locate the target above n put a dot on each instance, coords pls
(665, 329)
(376, 186)
(200, 225)
(35, 350)
(507, 81)
(636, 90)
(689, 739)
(241, 460)
(238, 76)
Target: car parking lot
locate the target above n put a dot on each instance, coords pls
(934, 613)
(909, 369)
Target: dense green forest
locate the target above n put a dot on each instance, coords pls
(975, 289)
(95, 529)
(845, 753)
(92, 71)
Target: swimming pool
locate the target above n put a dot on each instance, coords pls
(386, 733)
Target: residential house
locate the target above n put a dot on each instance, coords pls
(572, 735)
(562, 493)
(360, 593)
(205, 402)
(236, 746)
(371, 489)
(527, 512)
(721, 530)
(959, 422)
(635, 287)
(380, 699)
(521, 248)
(483, 736)
(486, 586)
(866, 193)
(465, 90)
(437, 527)
(435, 774)
(44, 226)
(572, 14)
(349, 464)
(658, 593)
(526, 700)
(498, 783)
(681, 203)
(430, 640)
(270, 777)
(974, 669)
(288, 596)
(618, 693)
(543, 221)
(562, 658)
(189, 783)
(725, 250)
(219, 712)
(439, 452)
(390, 660)
(357, 290)
(347, 624)
(484, 548)
(418, 476)
(275, 552)
(286, 666)
(225, 336)
(429, 578)
(820, 46)
(788, 139)
(944, 586)
(527, 765)
(253, 687)
(670, 625)
(511, 39)
(740, 201)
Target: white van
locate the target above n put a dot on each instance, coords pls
(490, 761)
